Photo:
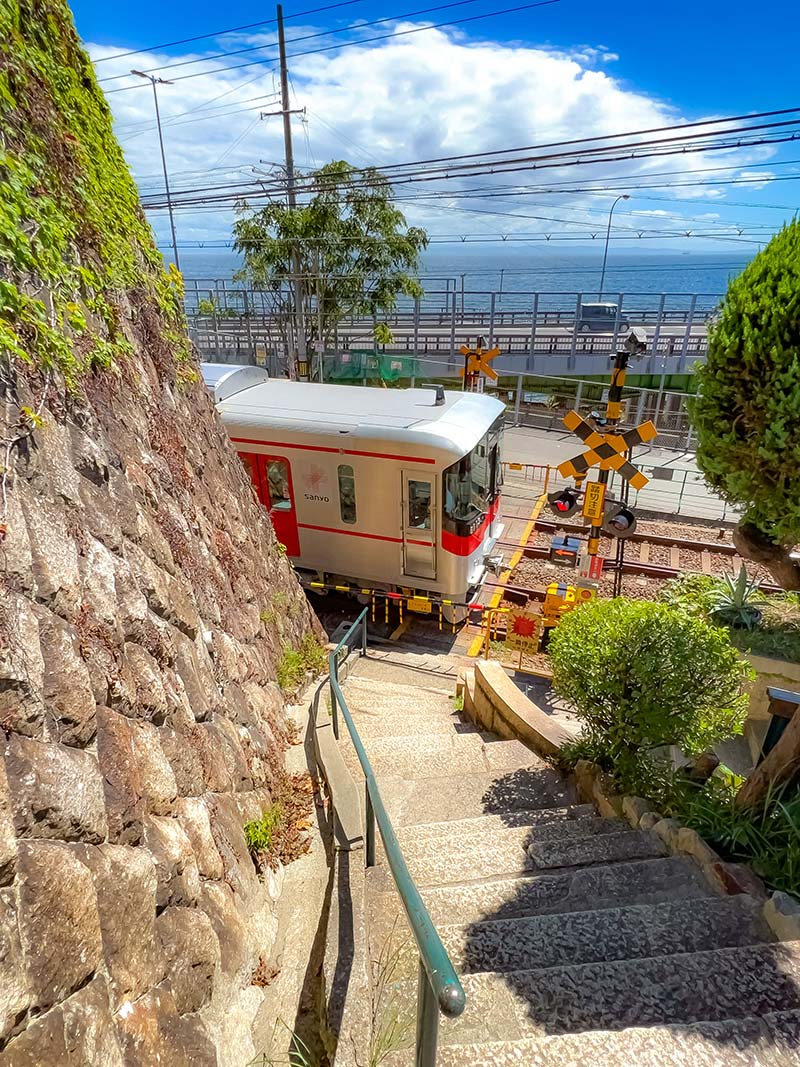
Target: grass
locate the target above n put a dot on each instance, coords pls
(392, 1025)
(458, 702)
(295, 663)
(281, 834)
(767, 837)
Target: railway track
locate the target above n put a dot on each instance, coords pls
(650, 556)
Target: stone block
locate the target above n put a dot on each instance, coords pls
(733, 878)
(633, 808)
(57, 791)
(100, 516)
(42, 1044)
(585, 773)
(150, 701)
(131, 601)
(690, 842)
(207, 741)
(159, 788)
(668, 830)
(22, 707)
(167, 597)
(126, 884)
(648, 820)
(15, 996)
(195, 671)
(176, 866)
(782, 913)
(185, 758)
(179, 711)
(58, 921)
(90, 1035)
(149, 1031)
(232, 750)
(609, 802)
(98, 574)
(54, 556)
(67, 688)
(8, 837)
(122, 781)
(192, 952)
(237, 954)
(192, 814)
(15, 551)
(227, 826)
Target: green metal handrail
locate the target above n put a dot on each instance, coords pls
(438, 987)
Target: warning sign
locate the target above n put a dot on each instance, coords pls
(522, 633)
(594, 497)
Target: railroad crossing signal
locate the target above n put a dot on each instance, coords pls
(477, 361)
(606, 450)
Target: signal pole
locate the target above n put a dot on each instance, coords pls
(300, 355)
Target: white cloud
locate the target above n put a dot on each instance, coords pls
(421, 96)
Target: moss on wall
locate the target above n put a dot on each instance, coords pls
(77, 257)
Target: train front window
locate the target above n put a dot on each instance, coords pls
(278, 481)
(472, 484)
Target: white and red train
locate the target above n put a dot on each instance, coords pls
(390, 489)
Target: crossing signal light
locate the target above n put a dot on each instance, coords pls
(563, 502)
(618, 520)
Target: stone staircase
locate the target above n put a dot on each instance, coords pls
(578, 939)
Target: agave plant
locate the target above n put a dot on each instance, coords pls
(733, 603)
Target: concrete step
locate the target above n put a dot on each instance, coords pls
(435, 832)
(373, 696)
(506, 755)
(771, 1041)
(484, 838)
(401, 724)
(517, 850)
(583, 851)
(421, 756)
(543, 941)
(639, 931)
(428, 670)
(653, 881)
(439, 799)
(694, 987)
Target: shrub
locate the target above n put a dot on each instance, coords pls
(642, 675)
(748, 404)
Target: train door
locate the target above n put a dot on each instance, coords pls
(272, 477)
(418, 506)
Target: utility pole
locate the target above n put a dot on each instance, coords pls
(300, 355)
(162, 81)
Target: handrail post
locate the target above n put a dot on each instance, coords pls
(334, 700)
(370, 827)
(364, 633)
(427, 1022)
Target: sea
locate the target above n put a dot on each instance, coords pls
(513, 275)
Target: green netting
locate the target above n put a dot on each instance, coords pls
(367, 363)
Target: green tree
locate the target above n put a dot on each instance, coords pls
(348, 250)
(642, 674)
(747, 413)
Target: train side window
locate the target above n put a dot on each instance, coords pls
(347, 493)
(419, 505)
(278, 481)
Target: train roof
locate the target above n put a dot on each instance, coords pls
(459, 418)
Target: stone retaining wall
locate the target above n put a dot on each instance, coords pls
(141, 728)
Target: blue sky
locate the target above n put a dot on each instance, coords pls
(570, 69)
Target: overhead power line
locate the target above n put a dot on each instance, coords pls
(296, 40)
(353, 44)
(221, 33)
